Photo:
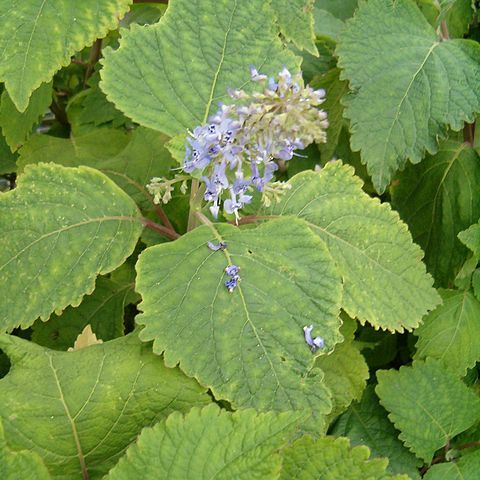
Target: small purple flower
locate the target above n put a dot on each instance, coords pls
(232, 283)
(255, 76)
(232, 270)
(216, 247)
(314, 343)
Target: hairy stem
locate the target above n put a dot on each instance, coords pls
(95, 54)
(165, 231)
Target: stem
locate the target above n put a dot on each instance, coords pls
(59, 113)
(196, 196)
(165, 231)
(444, 30)
(95, 54)
(469, 133)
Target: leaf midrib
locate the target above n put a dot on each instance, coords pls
(69, 227)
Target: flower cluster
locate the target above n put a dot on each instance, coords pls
(238, 149)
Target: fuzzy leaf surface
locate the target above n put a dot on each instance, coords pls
(22, 464)
(380, 265)
(209, 443)
(38, 37)
(366, 423)
(450, 333)
(217, 42)
(85, 407)
(428, 404)
(407, 85)
(59, 229)
(16, 126)
(296, 22)
(331, 458)
(437, 199)
(247, 346)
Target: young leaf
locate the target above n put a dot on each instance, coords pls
(295, 18)
(437, 199)
(464, 468)
(38, 37)
(85, 339)
(209, 443)
(471, 238)
(217, 41)
(346, 372)
(407, 85)
(381, 267)
(332, 458)
(80, 410)
(129, 159)
(428, 404)
(366, 423)
(23, 464)
(59, 229)
(103, 310)
(450, 333)
(248, 346)
(16, 126)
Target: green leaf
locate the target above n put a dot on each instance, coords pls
(38, 37)
(16, 126)
(59, 229)
(471, 238)
(103, 310)
(450, 333)
(437, 199)
(295, 19)
(80, 410)
(381, 268)
(7, 158)
(217, 41)
(336, 89)
(247, 346)
(407, 85)
(23, 464)
(129, 159)
(209, 443)
(332, 459)
(327, 26)
(456, 13)
(366, 423)
(464, 468)
(346, 372)
(342, 10)
(428, 404)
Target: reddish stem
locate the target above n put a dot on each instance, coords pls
(165, 231)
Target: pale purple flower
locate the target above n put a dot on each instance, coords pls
(218, 246)
(314, 343)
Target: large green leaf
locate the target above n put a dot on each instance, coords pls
(130, 159)
(38, 37)
(7, 158)
(366, 423)
(103, 310)
(437, 199)
(59, 229)
(247, 346)
(181, 67)
(407, 85)
(16, 126)
(80, 410)
(467, 467)
(209, 443)
(332, 459)
(346, 372)
(428, 404)
(381, 267)
(450, 333)
(23, 464)
(295, 18)
(342, 10)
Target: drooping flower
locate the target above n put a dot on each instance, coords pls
(315, 343)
